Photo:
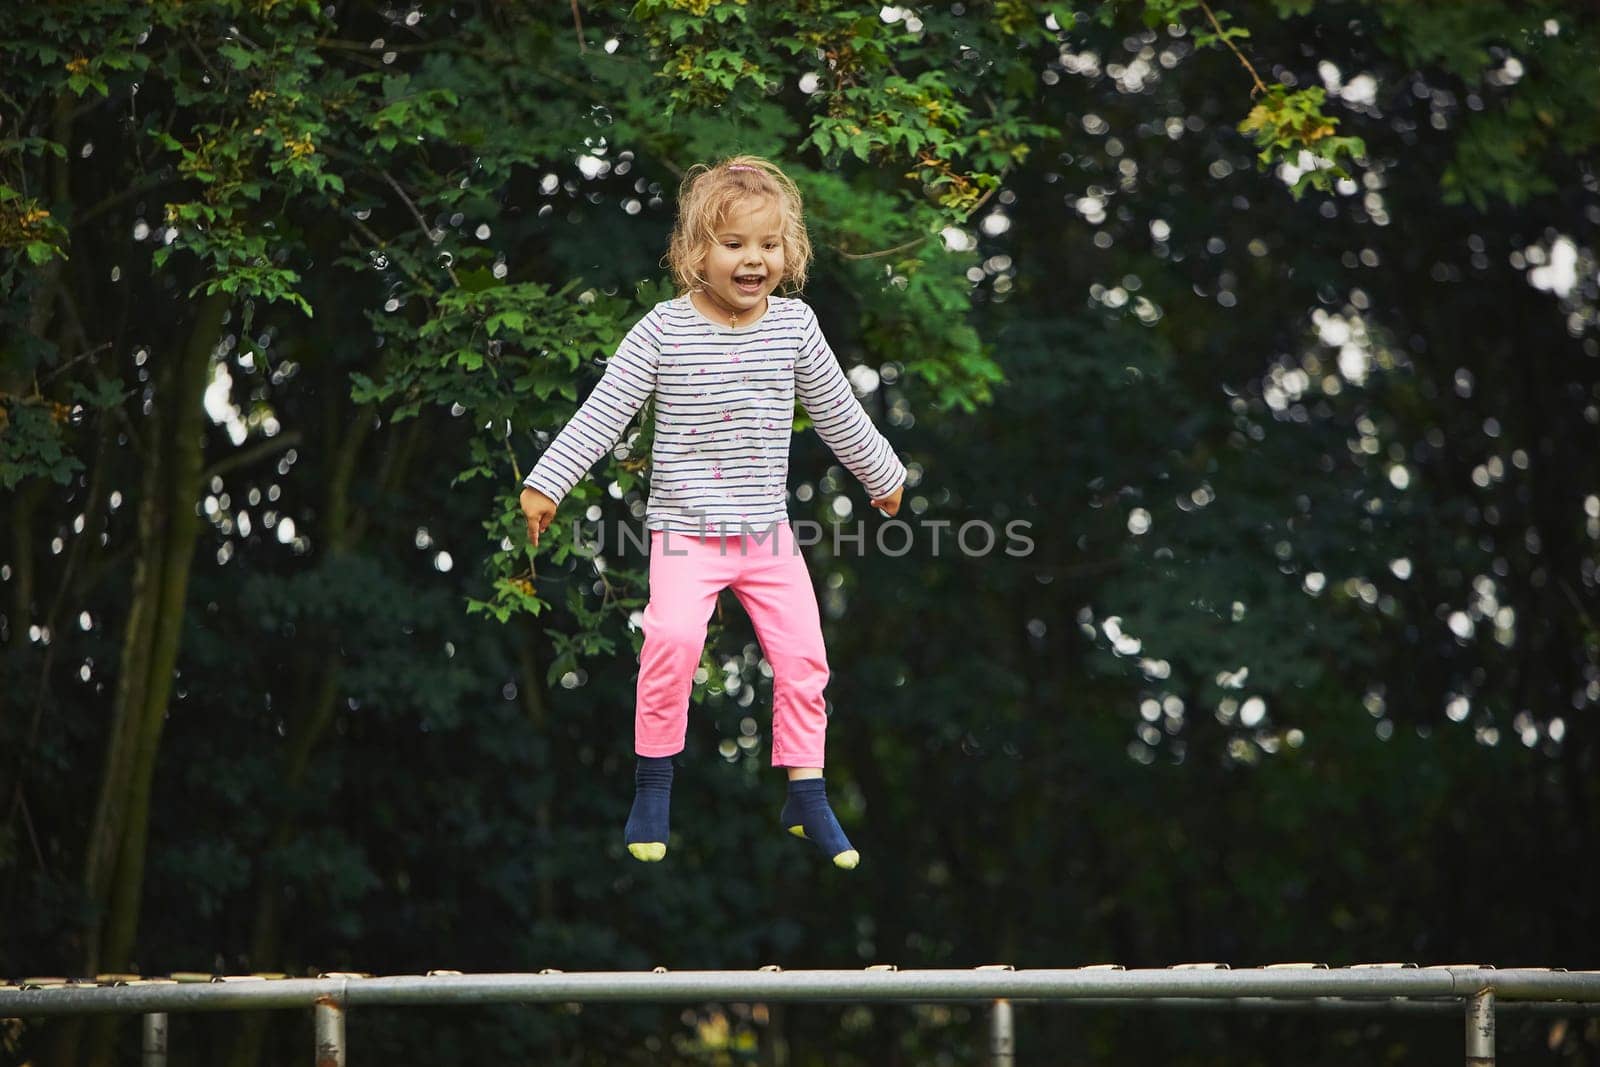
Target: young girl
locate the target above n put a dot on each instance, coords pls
(726, 359)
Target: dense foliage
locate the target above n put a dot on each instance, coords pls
(1277, 324)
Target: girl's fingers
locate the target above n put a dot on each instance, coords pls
(537, 524)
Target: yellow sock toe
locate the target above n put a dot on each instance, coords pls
(847, 860)
(651, 851)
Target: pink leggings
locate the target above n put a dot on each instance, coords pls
(768, 575)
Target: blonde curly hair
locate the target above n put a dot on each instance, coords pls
(710, 192)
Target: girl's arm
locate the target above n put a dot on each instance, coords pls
(628, 381)
(841, 421)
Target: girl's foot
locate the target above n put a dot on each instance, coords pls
(806, 814)
(646, 832)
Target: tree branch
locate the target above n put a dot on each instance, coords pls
(1260, 87)
(149, 184)
(984, 199)
(577, 27)
(914, 242)
(422, 223)
(243, 457)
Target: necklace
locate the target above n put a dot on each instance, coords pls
(733, 313)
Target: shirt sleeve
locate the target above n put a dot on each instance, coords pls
(628, 381)
(841, 421)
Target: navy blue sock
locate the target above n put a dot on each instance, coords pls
(646, 832)
(806, 814)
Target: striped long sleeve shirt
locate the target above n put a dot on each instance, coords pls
(724, 417)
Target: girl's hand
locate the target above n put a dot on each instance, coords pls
(539, 510)
(890, 503)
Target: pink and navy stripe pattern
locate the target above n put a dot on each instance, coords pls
(724, 416)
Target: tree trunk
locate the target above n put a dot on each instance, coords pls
(168, 526)
(22, 519)
(536, 704)
(344, 530)
(267, 929)
(16, 380)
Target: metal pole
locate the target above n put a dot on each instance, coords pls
(154, 1045)
(1002, 1036)
(1448, 986)
(329, 1021)
(1480, 1029)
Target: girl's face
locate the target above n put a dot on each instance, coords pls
(745, 262)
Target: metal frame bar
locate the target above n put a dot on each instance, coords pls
(153, 1040)
(1483, 991)
(1002, 1035)
(328, 1021)
(882, 985)
(1480, 1029)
